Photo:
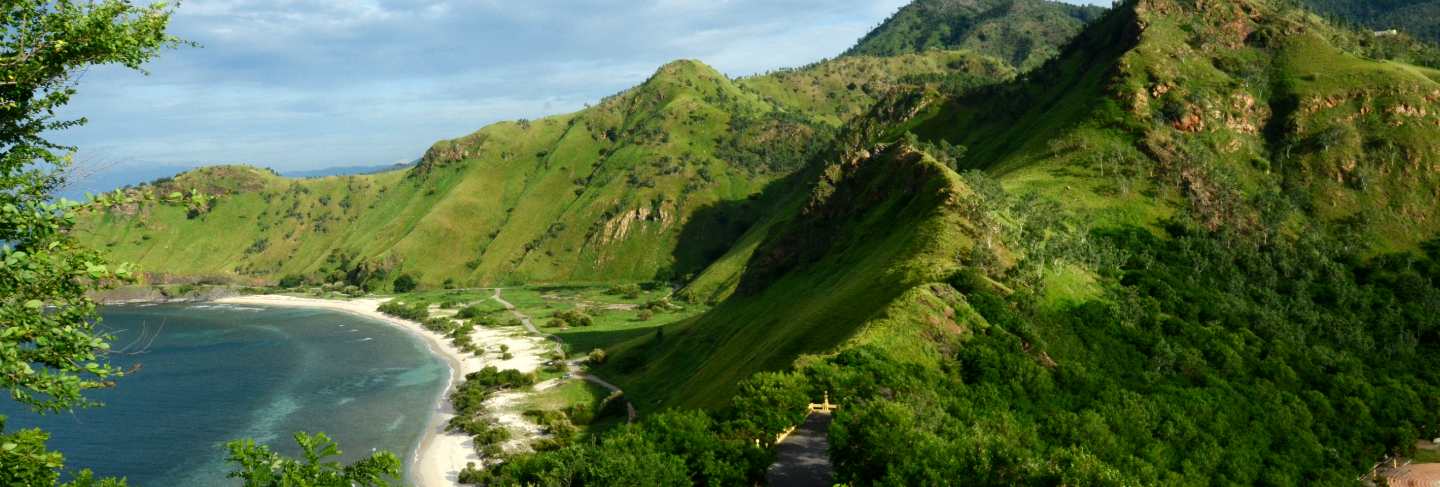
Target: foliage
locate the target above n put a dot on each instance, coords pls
(1267, 366)
(25, 461)
(469, 400)
(50, 350)
(672, 448)
(629, 291)
(1420, 18)
(405, 283)
(413, 312)
(49, 347)
(1022, 32)
(571, 317)
(292, 281)
(470, 312)
(258, 466)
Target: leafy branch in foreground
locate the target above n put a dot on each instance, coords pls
(258, 466)
(48, 346)
(50, 352)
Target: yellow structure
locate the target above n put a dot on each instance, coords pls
(824, 407)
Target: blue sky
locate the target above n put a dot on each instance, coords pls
(305, 84)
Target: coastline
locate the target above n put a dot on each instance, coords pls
(441, 455)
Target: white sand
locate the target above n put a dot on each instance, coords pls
(441, 455)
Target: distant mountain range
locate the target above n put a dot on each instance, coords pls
(348, 170)
(110, 178)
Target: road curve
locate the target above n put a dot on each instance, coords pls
(571, 366)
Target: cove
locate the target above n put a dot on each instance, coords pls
(211, 373)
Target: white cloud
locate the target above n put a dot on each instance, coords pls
(298, 84)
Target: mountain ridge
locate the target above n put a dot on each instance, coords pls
(1025, 33)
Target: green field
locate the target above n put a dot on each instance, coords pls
(616, 317)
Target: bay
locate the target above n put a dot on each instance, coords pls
(206, 374)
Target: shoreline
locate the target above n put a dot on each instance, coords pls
(441, 454)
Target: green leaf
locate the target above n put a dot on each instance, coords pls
(34, 304)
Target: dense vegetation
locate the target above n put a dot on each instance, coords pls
(1197, 245)
(1209, 359)
(1024, 33)
(1420, 18)
(258, 466)
(1152, 271)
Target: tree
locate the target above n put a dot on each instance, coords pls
(50, 351)
(258, 466)
(405, 283)
(292, 281)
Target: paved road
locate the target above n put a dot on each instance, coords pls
(803, 459)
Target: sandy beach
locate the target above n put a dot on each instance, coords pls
(441, 455)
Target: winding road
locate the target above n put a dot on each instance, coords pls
(572, 367)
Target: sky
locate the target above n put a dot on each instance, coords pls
(306, 84)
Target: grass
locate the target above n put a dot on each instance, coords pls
(616, 317)
(603, 194)
(857, 272)
(568, 393)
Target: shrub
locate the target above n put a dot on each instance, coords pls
(405, 283)
(292, 281)
(473, 476)
(469, 312)
(628, 291)
(645, 315)
(439, 324)
(416, 312)
(581, 414)
(573, 317)
(597, 357)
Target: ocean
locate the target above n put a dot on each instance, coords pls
(213, 373)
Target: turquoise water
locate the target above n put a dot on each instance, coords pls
(210, 373)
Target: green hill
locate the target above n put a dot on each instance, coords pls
(1197, 248)
(598, 195)
(1024, 33)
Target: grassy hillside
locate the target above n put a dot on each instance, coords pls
(876, 226)
(1024, 33)
(653, 183)
(1193, 250)
(1197, 247)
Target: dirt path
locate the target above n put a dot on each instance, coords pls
(803, 459)
(572, 367)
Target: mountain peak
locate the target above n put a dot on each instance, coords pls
(1022, 32)
(687, 69)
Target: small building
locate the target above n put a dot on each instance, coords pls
(1387, 33)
